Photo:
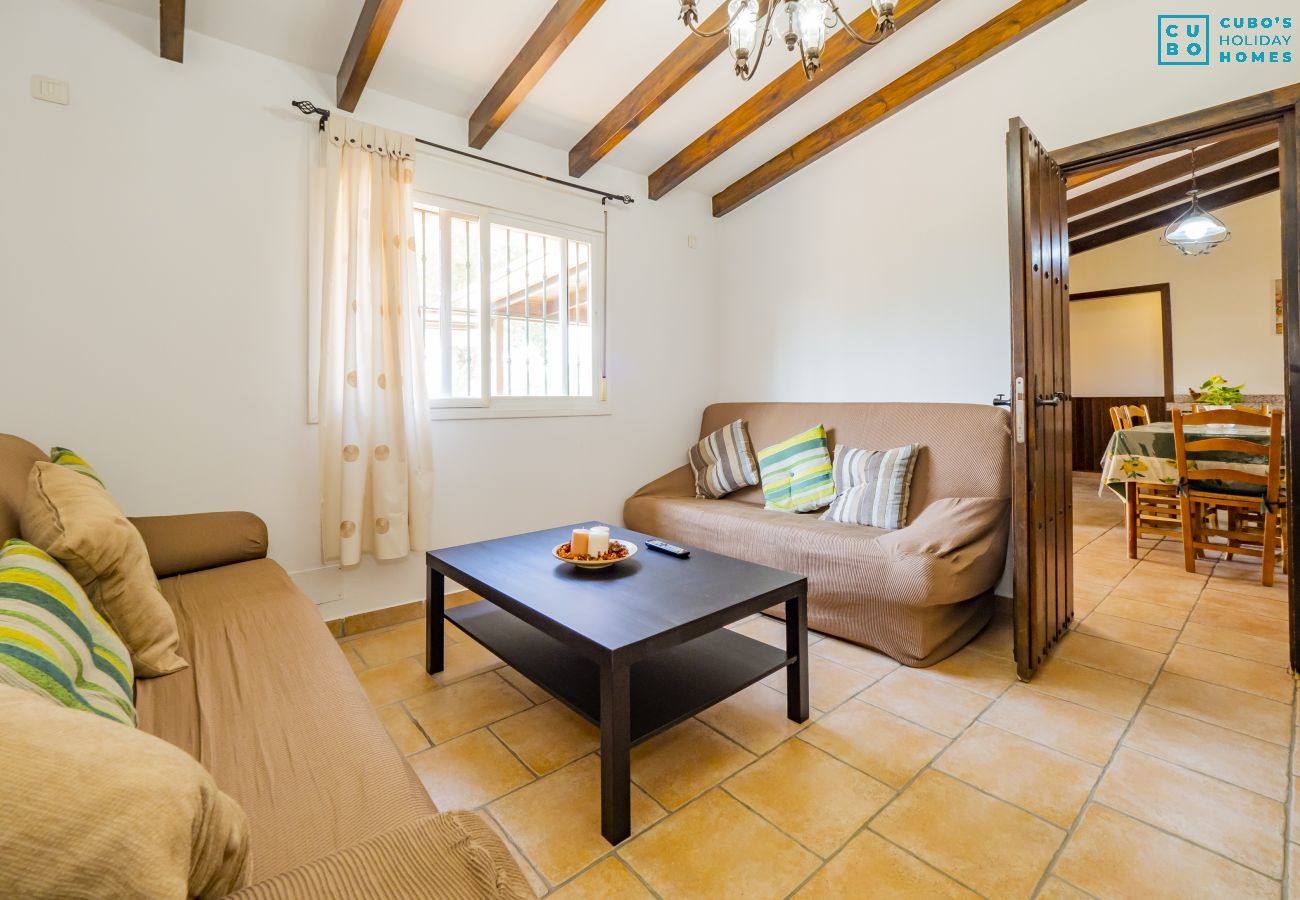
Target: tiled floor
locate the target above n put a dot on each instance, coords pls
(1152, 757)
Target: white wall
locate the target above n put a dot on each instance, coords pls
(1222, 304)
(881, 271)
(152, 279)
(1117, 346)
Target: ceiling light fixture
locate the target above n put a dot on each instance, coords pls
(1196, 232)
(805, 24)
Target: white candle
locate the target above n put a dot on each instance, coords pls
(599, 541)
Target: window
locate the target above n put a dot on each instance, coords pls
(523, 340)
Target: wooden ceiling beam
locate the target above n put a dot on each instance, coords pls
(171, 30)
(562, 24)
(1143, 181)
(1176, 192)
(1210, 202)
(368, 38)
(666, 79)
(772, 99)
(984, 42)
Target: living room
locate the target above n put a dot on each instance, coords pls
(566, 354)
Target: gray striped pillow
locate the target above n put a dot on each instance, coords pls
(723, 462)
(872, 486)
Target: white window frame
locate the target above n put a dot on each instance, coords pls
(487, 405)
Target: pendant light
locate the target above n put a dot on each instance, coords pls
(1196, 232)
(802, 24)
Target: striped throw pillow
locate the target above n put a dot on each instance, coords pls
(797, 472)
(62, 456)
(872, 486)
(723, 462)
(53, 643)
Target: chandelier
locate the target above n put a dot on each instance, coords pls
(802, 23)
(1196, 232)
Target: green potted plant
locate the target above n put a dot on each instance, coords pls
(1216, 393)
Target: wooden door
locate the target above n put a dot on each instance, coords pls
(1042, 518)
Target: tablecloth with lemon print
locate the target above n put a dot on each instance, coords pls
(1145, 454)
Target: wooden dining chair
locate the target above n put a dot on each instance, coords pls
(1262, 408)
(1255, 513)
(1127, 416)
(1150, 510)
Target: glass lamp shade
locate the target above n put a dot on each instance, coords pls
(743, 34)
(1196, 232)
(810, 19)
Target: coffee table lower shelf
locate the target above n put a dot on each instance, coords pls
(667, 688)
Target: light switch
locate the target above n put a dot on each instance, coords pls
(50, 89)
(692, 241)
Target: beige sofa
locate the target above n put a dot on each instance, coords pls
(918, 593)
(270, 707)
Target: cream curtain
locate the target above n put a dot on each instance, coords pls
(376, 446)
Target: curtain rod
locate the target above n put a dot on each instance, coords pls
(307, 108)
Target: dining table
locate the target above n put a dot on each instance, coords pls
(1144, 454)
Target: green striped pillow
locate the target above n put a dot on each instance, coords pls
(62, 456)
(797, 472)
(53, 643)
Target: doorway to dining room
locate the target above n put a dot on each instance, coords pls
(1134, 188)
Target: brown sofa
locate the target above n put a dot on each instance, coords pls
(918, 593)
(270, 707)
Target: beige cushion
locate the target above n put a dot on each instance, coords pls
(93, 809)
(72, 518)
(723, 461)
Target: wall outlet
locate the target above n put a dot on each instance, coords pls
(50, 89)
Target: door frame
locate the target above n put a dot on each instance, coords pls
(1281, 107)
(1166, 321)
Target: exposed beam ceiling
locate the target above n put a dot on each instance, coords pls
(562, 24)
(1265, 184)
(373, 25)
(771, 100)
(1165, 172)
(1085, 177)
(171, 30)
(995, 35)
(667, 78)
(1175, 193)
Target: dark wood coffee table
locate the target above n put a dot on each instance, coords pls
(634, 648)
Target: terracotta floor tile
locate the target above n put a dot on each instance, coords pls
(1056, 889)
(1141, 611)
(1246, 675)
(465, 706)
(1247, 713)
(547, 737)
(926, 701)
(555, 820)
(1157, 587)
(1293, 873)
(811, 796)
(390, 644)
(1101, 569)
(383, 618)
(1240, 621)
(770, 631)
(535, 880)
(755, 718)
(868, 662)
(1246, 578)
(1127, 631)
(1269, 607)
(886, 747)
(1234, 643)
(460, 598)
(396, 681)
(465, 659)
(1227, 755)
(402, 729)
(1114, 856)
(984, 843)
(1230, 820)
(609, 879)
(829, 683)
(715, 847)
(997, 639)
(470, 771)
(1041, 780)
(871, 863)
(975, 671)
(1110, 656)
(1076, 730)
(1102, 691)
(356, 662)
(684, 762)
(532, 691)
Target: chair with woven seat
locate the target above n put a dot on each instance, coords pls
(1253, 501)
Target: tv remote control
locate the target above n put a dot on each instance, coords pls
(670, 549)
